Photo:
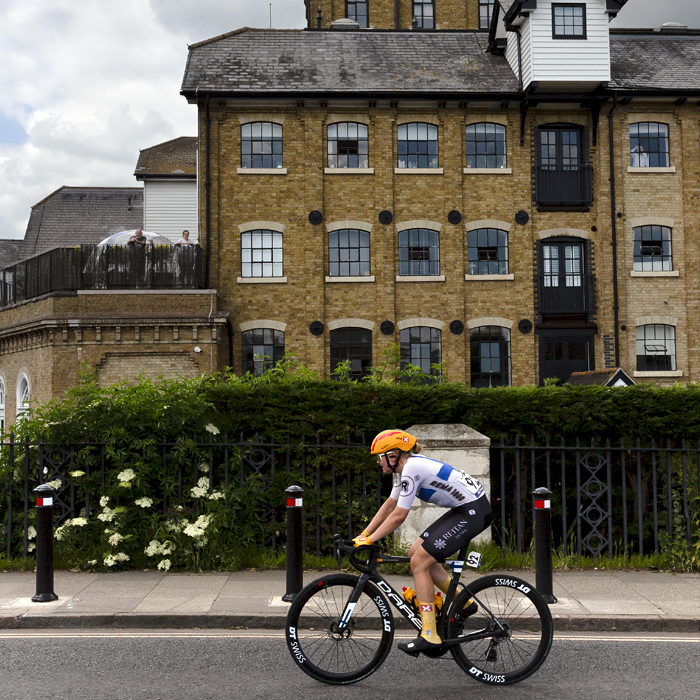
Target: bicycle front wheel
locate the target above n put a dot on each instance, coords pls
(325, 651)
(519, 625)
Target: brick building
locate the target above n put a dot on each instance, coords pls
(516, 203)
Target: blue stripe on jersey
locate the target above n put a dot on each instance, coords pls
(425, 494)
(445, 471)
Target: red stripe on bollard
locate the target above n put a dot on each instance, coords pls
(294, 502)
(539, 505)
(44, 501)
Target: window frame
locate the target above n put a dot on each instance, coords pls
(336, 140)
(358, 2)
(488, 4)
(649, 153)
(365, 343)
(499, 129)
(406, 354)
(405, 265)
(474, 251)
(643, 361)
(259, 366)
(427, 155)
(572, 37)
(422, 3)
(639, 260)
(485, 335)
(3, 400)
(272, 140)
(275, 235)
(23, 406)
(361, 235)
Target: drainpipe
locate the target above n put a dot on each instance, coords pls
(396, 14)
(613, 220)
(207, 192)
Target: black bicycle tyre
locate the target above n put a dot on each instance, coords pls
(318, 650)
(512, 658)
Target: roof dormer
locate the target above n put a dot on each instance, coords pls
(559, 45)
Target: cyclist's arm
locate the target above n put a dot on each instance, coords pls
(382, 514)
(397, 516)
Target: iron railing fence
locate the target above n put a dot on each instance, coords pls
(343, 486)
(102, 267)
(572, 294)
(564, 185)
(606, 498)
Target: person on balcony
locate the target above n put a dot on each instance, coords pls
(138, 239)
(185, 240)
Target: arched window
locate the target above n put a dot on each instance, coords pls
(2, 405)
(23, 394)
(486, 145)
(355, 345)
(357, 10)
(348, 146)
(656, 348)
(652, 248)
(649, 146)
(421, 346)
(487, 249)
(419, 252)
(348, 253)
(417, 145)
(490, 356)
(261, 253)
(261, 145)
(262, 349)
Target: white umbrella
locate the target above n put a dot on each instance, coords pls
(123, 237)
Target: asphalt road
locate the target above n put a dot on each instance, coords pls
(249, 664)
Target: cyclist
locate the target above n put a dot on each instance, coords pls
(433, 482)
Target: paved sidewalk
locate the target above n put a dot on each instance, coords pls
(587, 600)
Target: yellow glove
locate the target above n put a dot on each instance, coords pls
(364, 538)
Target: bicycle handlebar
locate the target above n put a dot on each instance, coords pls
(352, 551)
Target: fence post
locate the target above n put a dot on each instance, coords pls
(295, 556)
(44, 545)
(543, 543)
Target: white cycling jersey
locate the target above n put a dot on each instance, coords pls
(434, 482)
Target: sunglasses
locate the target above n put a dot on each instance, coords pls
(387, 455)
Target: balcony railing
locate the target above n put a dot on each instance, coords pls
(556, 296)
(102, 267)
(564, 185)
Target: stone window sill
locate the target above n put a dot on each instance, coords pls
(261, 171)
(368, 278)
(654, 273)
(262, 280)
(488, 278)
(419, 171)
(487, 171)
(671, 373)
(642, 171)
(420, 278)
(348, 171)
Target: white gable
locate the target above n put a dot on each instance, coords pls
(561, 63)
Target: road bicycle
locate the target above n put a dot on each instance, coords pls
(340, 627)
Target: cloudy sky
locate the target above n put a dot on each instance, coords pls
(84, 85)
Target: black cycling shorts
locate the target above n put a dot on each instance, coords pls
(456, 528)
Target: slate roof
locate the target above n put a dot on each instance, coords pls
(662, 61)
(9, 251)
(340, 62)
(173, 159)
(295, 62)
(76, 215)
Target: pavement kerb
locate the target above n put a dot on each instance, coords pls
(562, 623)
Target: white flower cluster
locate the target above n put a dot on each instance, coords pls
(60, 532)
(164, 565)
(216, 495)
(104, 501)
(144, 502)
(112, 559)
(203, 467)
(155, 548)
(125, 477)
(198, 528)
(107, 514)
(201, 489)
(115, 539)
(175, 525)
(76, 474)
(55, 484)
(211, 428)
(31, 532)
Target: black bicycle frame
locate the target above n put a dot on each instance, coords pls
(370, 573)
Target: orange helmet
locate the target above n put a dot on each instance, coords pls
(392, 440)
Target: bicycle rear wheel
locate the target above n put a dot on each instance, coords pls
(330, 654)
(521, 633)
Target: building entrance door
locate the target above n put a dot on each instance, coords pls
(562, 353)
